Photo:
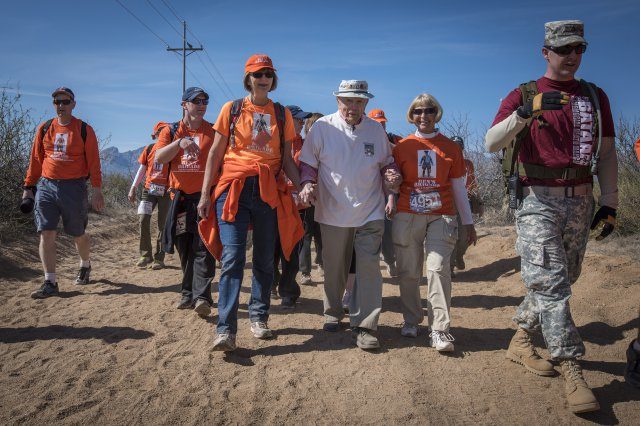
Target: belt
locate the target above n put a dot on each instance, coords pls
(559, 191)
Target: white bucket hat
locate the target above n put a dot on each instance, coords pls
(353, 89)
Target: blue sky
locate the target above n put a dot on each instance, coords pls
(467, 54)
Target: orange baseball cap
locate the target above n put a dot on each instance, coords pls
(257, 62)
(378, 115)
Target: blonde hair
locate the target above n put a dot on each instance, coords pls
(309, 121)
(424, 100)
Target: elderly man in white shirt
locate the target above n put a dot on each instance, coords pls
(345, 161)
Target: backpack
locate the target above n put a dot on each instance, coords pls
(173, 128)
(236, 110)
(510, 164)
(45, 128)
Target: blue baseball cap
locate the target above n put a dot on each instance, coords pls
(192, 92)
(297, 112)
(65, 91)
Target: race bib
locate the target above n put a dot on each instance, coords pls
(425, 202)
(181, 223)
(157, 190)
(145, 207)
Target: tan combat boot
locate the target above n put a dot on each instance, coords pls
(579, 396)
(521, 350)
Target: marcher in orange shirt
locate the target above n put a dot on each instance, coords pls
(186, 154)
(427, 207)
(154, 193)
(252, 145)
(64, 154)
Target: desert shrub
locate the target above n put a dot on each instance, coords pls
(115, 188)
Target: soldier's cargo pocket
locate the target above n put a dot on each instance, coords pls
(530, 252)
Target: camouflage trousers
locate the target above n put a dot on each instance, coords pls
(552, 238)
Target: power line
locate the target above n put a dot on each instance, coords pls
(162, 16)
(211, 74)
(142, 23)
(172, 10)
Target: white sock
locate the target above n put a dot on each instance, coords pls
(636, 346)
(50, 276)
(85, 263)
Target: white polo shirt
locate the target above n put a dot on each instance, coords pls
(349, 159)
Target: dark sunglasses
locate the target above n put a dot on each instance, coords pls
(260, 74)
(420, 111)
(62, 101)
(565, 50)
(200, 101)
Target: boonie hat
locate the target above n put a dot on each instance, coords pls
(65, 91)
(297, 112)
(378, 115)
(192, 92)
(353, 89)
(257, 62)
(561, 33)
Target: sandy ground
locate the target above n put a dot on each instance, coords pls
(117, 352)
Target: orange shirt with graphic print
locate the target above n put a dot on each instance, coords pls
(257, 138)
(427, 167)
(62, 154)
(187, 173)
(157, 173)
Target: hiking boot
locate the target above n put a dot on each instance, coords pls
(202, 308)
(331, 327)
(409, 330)
(261, 330)
(185, 303)
(392, 270)
(460, 264)
(157, 265)
(288, 302)
(521, 351)
(579, 396)
(143, 262)
(83, 275)
(225, 342)
(442, 341)
(632, 372)
(46, 290)
(365, 340)
(306, 279)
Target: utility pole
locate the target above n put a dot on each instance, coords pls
(184, 49)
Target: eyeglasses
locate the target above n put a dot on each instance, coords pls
(62, 101)
(260, 74)
(565, 50)
(200, 101)
(420, 111)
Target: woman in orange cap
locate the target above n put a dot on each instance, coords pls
(251, 146)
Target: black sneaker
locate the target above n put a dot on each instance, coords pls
(632, 372)
(46, 290)
(185, 303)
(83, 275)
(288, 302)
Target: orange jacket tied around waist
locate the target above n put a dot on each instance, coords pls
(274, 193)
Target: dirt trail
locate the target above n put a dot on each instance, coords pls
(116, 351)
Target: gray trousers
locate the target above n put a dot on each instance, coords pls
(552, 238)
(338, 244)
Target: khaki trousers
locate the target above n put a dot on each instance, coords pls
(409, 232)
(338, 244)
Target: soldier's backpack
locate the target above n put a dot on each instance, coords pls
(510, 164)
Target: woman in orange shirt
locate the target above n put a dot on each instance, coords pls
(427, 209)
(250, 152)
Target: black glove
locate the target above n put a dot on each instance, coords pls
(543, 102)
(607, 215)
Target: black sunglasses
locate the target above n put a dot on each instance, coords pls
(420, 111)
(200, 101)
(565, 50)
(62, 101)
(260, 74)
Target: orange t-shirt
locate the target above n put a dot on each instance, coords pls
(187, 173)
(157, 173)
(427, 165)
(637, 148)
(257, 138)
(62, 154)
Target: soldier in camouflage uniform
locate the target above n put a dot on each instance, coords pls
(567, 136)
